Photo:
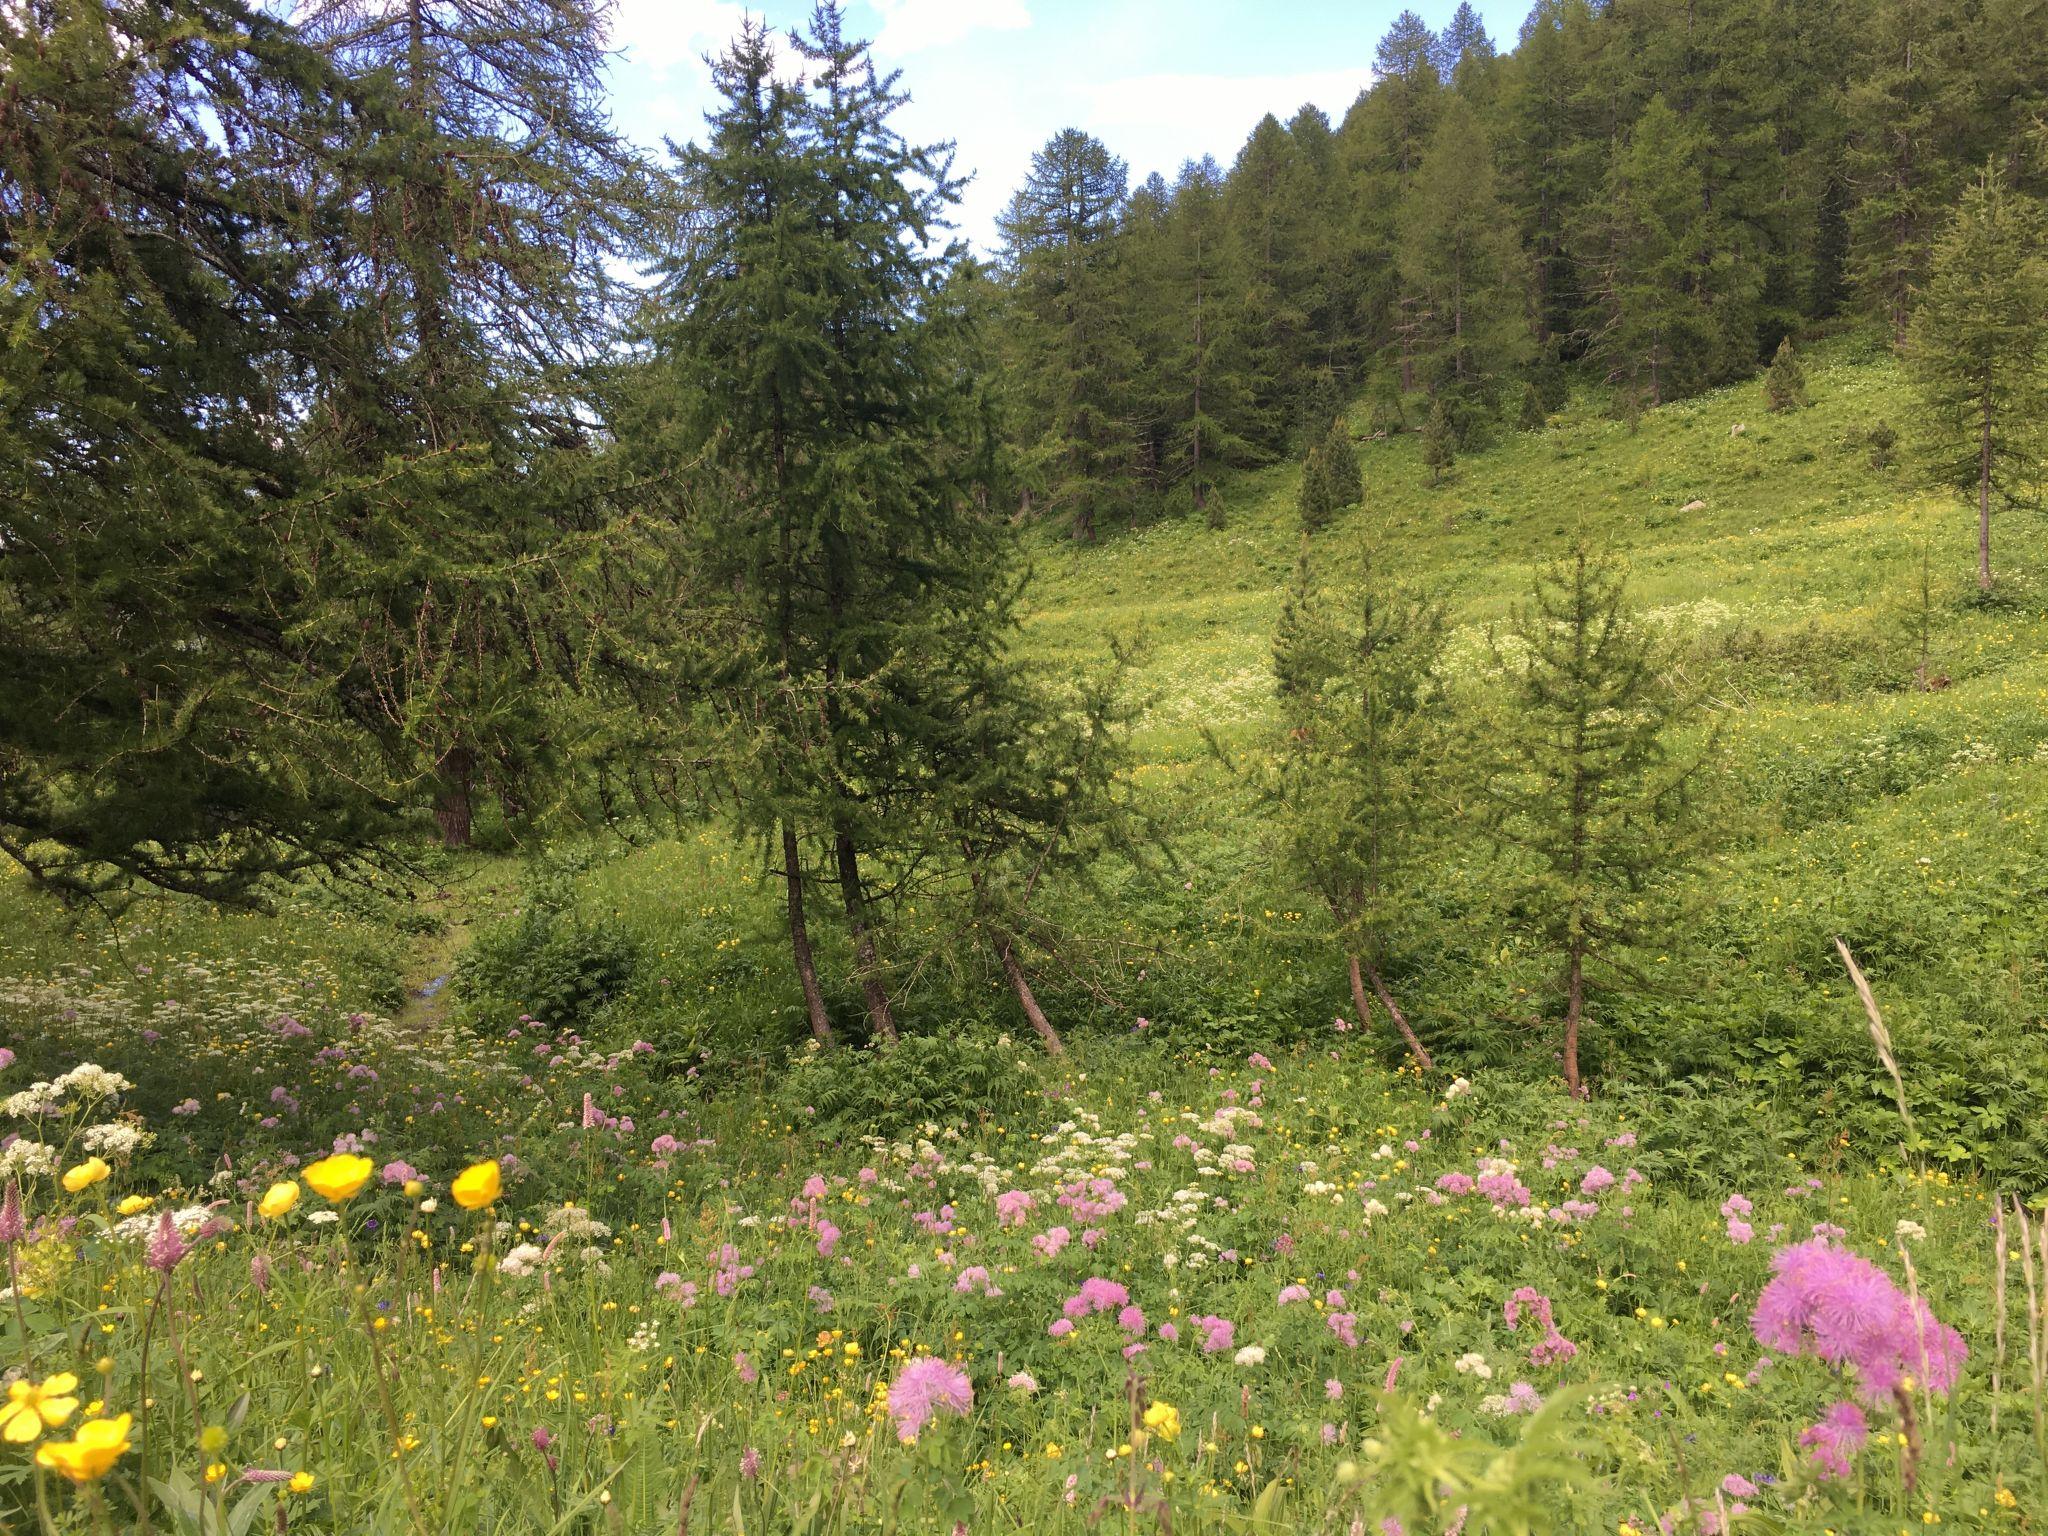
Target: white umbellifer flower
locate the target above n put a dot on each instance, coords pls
(28, 1159)
(1374, 1208)
(1911, 1229)
(324, 1218)
(32, 1100)
(1474, 1365)
(90, 1080)
(1458, 1089)
(520, 1261)
(429, 1205)
(115, 1139)
(1250, 1355)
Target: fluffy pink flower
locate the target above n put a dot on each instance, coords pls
(1012, 1207)
(1838, 1436)
(1833, 1304)
(923, 1388)
(1218, 1334)
(1096, 1295)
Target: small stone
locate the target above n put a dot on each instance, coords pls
(1695, 505)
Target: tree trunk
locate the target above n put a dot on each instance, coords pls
(1358, 995)
(1400, 1019)
(1984, 504)
(865, 957)
(1006, 951)
(452, 798)
(1575, 1007)
(800, 938)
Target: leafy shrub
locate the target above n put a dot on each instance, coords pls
(550, 963)
(883, 1089)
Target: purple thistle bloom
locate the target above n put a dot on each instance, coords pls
(924, 1387)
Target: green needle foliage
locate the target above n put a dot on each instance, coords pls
(1585, 785)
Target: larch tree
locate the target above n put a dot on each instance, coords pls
(1072, 349)
(169, 177)
(493, 207)
(1585, 788)
(839, 455)
(1462, 273)
(1977, 350)
(1365, 736)
(1642, 257)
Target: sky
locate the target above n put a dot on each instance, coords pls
(1159, 81)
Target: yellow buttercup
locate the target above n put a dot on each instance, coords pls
(338, 1178)
(92, 1455)
(477, 1186)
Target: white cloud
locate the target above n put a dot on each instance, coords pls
(1209, 103)
(658, 35)
(910, 26)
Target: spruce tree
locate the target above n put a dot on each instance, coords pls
(1209, 409)
(1532, 417)
(1365, 735)
(1977, 350)
(1389, 417)
(853, 580)
(1585, 789)
(1785, 380)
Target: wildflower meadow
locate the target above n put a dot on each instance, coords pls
(535, 1286)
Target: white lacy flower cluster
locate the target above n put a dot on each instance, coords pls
(86, 1083)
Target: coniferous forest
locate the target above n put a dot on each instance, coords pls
(686, 848)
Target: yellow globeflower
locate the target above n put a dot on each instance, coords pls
(92, 1455)
(86, 1174)
(29, 1407)
(278, 1199)
(477, 1186)
(134, 1205)
(338, 1178)
(1163, 1419)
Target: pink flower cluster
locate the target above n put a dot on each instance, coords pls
(1833, 1304)
(922, 1389)
(1553, 1348)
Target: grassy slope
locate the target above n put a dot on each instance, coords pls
(1855, 802)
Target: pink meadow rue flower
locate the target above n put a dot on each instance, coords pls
(1050, 1242)
(1132, 1320)
(1096, 1295)
(1838, 1436)
(1013, 1208)
(1345, 1326)
(750, 1463)
(1553, 1348)
(1061, 1327)
(1218, 1334)
(1333, 1389)
(1839, 1307)
(924, 1388)
(1596, 1179)
(828, 1239)
(1293, 1293)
